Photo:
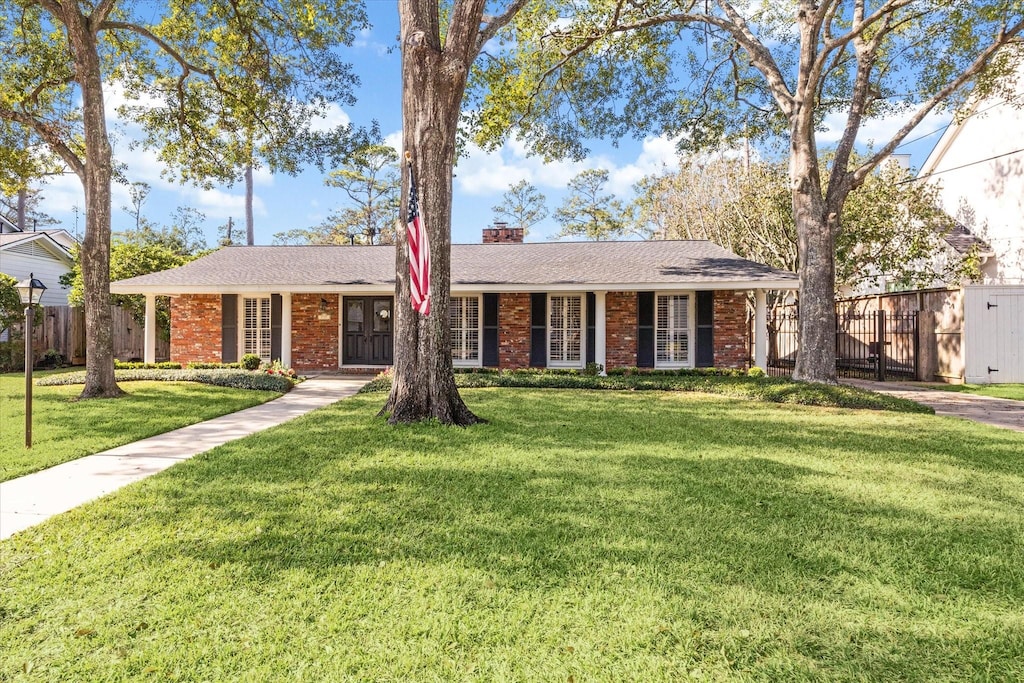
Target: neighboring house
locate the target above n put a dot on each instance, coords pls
(46, 254)
(979, 162)
(664, 304)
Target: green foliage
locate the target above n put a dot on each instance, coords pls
(130, 259)
(588, 213)
(214, 366)
(250, 361)
(892, 227)
(724, 382)
(236, 379)
(12, 311)
(135, 365)
(522, 206)
(755, 372)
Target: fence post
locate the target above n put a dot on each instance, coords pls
(880, 345)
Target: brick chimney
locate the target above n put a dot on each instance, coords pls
(501, 233)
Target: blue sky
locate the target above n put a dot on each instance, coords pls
(283, 202)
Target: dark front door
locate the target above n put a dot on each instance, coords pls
(367, 336)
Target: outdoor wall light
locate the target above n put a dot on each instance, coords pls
(31, 293)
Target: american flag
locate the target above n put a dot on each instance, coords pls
(419, 252)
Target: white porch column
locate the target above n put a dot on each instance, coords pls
(600, 323)
(149, 353)
(286, 329)
(761, 329)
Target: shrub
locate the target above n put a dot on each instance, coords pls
(12, 356)
(251, 361)
(755, 371)
(734, 383)
(214, 366)
(236, 379)
(135, 365)
(52, 358)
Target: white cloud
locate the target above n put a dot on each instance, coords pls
(482, 173)
(877, 132)
(333, 117)
(217, 203)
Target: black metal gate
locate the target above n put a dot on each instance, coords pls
(876, 345)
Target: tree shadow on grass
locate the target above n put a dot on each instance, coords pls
(722, 518)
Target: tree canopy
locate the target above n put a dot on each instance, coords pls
(192, 74)
(714, 71)
(522, 205)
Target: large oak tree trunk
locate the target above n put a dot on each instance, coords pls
(816, 237)
(433, 84)
(95, 254)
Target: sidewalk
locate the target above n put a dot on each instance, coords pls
(34, 498)
(998, 412)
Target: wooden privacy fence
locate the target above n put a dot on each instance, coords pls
(63, 330)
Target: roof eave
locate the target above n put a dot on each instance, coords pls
(171, 290)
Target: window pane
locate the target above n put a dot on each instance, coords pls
(672, 340)
(565, 324)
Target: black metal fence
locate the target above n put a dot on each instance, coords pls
(872, 345)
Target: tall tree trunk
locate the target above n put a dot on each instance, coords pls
(250, 230)
(95, 254)
(433, 84)
(22, 202)
(816, 238)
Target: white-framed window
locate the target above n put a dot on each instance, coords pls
(672, 334)
(565, 330)
(464, 314)
(255, 327)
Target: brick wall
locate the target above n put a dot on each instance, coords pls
(502, 233)
(513, 330)
(196, 328)
(620, 329)
(730, 333)
(315, 341)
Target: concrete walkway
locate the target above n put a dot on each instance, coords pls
(998, 412)
(34, 498)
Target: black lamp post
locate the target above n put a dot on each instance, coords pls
(30, 291)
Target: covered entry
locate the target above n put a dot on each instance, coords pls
(366, 330)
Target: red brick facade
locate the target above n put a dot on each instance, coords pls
(620, 329)
(315, 331)
(196, 328)
(513, 330)
(730, 332)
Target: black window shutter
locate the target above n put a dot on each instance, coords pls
(645, 330)
(275, 326)
(591, 328)
(229, 328)
(538, 330)
(705, 329)
(490, 359)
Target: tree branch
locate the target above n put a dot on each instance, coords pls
(979, 65)
(495, 24)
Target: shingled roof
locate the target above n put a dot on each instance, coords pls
(533, 266)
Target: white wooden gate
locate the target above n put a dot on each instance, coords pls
(994, 334)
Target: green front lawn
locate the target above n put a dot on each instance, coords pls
(1011, 391)
(64, 428)
(579, 536)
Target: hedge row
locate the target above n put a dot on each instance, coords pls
(236, 379)
(731, 383)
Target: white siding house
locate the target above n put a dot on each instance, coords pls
(979, 163)
(22, 253)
